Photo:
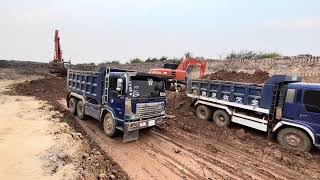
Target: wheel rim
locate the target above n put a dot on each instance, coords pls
(80, 109)
(107, 125)
(202, 112)
(293, 140)
(220, 120)
(71, 105)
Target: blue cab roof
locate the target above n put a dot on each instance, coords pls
(300, 85)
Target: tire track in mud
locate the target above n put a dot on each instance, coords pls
(133, 159)
(198, 164)
(183, 166)
(190, 162)
(229, 154)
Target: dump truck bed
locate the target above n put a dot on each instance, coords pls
(86, 83)
(241, 95)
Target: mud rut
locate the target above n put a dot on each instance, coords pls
(174, 153)
(158, 155)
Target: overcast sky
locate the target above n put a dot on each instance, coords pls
(102, 30)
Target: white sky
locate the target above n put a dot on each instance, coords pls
(105, 30)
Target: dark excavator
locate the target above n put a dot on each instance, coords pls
(58, 66)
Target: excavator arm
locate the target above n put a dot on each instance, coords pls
(193, 62)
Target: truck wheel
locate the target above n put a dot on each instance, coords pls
(203, 112)
(179, 88)
(73, 105)
(109, 125)
(80, 110)
(293, 138)
(221, 118)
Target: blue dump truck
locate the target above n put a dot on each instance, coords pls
(120, 99)
(283, 106)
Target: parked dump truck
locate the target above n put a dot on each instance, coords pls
(120, 99)
(283, 106)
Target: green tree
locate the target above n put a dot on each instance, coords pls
(136, 60)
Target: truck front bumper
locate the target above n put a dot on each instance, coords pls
(132, 126)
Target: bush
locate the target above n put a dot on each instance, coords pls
(136, 60)
(245, 54)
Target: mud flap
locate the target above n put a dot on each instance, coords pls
(130, 136)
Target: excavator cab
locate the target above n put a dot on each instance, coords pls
(171, 66)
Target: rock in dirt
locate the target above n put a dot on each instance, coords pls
(241, 134)
(102, 176)
(277, 154)
(112, 176)
(171, 116)
(177, 150)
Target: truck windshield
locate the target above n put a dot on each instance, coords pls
(145, 87)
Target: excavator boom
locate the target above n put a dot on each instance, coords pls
(57, 65)
(57, 49)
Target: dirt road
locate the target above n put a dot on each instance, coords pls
(158, 156)
(186, 148)
(30, 138)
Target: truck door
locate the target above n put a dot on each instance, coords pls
(310, 110)
(291, 105)
(116, 99)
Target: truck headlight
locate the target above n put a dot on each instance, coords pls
(131, 117)
(163, 113)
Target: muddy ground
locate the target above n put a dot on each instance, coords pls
(53, 146)
(185, 147)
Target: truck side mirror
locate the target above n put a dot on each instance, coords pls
(119, 84)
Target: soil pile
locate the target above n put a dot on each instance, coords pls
(94, 164)
(258, 76)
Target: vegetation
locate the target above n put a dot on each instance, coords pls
(136, 60)
(252, 55)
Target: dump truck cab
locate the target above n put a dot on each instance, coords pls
(121, 99)
(302, 108)
(134, 98)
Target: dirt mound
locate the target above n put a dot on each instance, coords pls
(48, 89)
(257, 77)
(94, 164)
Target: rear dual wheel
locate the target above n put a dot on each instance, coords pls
(73, 105)
(221, 118)
(80, 110)
(203, 112)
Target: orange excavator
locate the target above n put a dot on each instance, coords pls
(176, 74)
(58, 66)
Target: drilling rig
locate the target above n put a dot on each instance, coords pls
(58, 66)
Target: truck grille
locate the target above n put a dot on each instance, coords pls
(148, 110)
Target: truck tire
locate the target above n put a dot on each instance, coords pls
(221, 118)
(203, 112)
(109, 125)
(296, 139)
(179, 88)
(80, 110)
(73, 105)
